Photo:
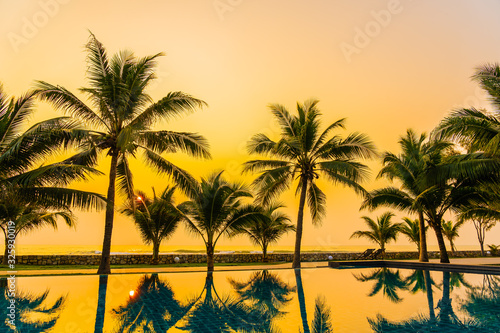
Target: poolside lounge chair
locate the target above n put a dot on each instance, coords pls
(375, 254)
(365, 254)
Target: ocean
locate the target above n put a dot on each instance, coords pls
(136, 249)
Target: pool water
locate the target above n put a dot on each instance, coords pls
(307, 300)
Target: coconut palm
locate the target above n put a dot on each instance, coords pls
(479, 130)
(411, 229)
(23, 156)
(303, 153)
(380, 232)
(216, 208)
(417, 157)
(433, 183)
(450, 231)
(156, 218)
(18, 218)
(26, 183)
(121, 116)
(268, 228)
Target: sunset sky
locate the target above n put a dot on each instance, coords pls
(385, 65)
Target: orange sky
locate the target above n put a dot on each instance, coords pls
(385, 65)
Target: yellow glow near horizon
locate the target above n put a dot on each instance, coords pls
(386, 65)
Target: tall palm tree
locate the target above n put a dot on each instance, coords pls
(268, 228)
(450, 231)
(17, 217)
(411, 229)
(417, 157)
(380, 232)
(156, 218)
(433, 183)
(303, 153)
(216, 208)
(121, 116)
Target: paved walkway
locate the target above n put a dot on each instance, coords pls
(461, 261)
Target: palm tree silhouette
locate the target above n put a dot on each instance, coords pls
(303, 154)
(380, 232)
(122, 120)
(156, 218)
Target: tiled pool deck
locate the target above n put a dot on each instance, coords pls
(477, 262)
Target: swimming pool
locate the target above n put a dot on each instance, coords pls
(307, 300)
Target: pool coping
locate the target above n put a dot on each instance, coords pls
(462, 268)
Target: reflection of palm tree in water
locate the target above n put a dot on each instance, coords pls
(31, 312)
(152, 307)
(321, 322)
(211, 313)
(446, 320)
(387, 280)
(483, 303)
(264, 291)
(421, 280)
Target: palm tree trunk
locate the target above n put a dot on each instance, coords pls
(210, 257)
(302, 301)
(442, 246)
(430, 299)
(423, 256)
(453, 249)
(156, 250)
(264, 253)
(481, 244)
(300, 222)
(101, 304)
(104, 266)
(6, 252)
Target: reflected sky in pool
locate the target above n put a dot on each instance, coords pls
(308, 300)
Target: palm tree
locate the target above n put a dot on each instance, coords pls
(303, 153)
(411, 229)
(479, 130)
(216, 209)
(157, 218)
(386, 280)
(417, 157)
(121, 120)
(18, 218)
(380, 232)
(26, 183)
(450, 231)
(433, 183)
(268, 228)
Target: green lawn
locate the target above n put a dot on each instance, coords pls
(71, 267)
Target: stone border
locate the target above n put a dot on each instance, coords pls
(136, 259)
